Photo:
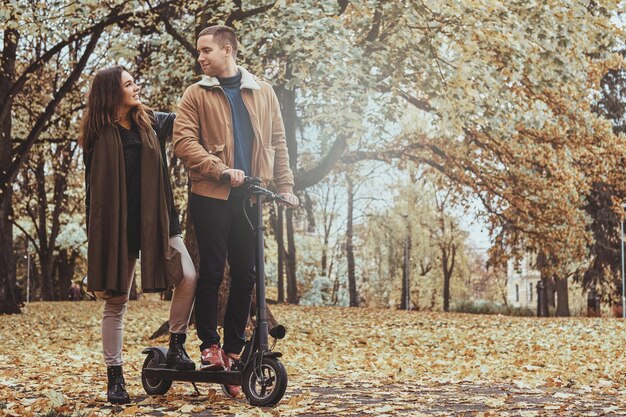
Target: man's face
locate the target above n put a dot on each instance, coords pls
(212, 58)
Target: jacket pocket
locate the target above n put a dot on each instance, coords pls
(266, 164)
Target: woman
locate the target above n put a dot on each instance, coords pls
(130, 209)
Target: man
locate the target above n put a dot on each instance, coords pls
(227, 123)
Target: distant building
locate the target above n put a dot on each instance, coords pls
(521, 283)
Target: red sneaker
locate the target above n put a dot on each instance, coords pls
(211, 359)
(232, 391)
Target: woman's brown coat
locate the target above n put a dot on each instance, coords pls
(107, 262)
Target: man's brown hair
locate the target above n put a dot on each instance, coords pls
(223, 35)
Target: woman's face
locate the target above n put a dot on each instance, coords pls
(130, 92)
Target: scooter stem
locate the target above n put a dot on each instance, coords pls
(262, 327)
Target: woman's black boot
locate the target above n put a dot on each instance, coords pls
(116, 387)
(176, 355)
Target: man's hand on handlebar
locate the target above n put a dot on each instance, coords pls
(286, 199)
(291, 199)
(236, 176)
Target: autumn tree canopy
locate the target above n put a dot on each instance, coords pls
(499, 98)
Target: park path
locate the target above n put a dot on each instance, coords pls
(349, 399)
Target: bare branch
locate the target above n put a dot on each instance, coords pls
(241, 14)
(376, 22)
(343, 5)
(50, 108)
(26, 234)
(305, 179)
(418, 103)
(180, 38)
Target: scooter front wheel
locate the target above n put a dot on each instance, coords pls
(153, 386)
(265, 385)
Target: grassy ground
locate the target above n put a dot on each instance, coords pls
(345, 362)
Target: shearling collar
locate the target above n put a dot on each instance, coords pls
(247, 80)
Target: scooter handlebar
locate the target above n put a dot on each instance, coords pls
(253, 184)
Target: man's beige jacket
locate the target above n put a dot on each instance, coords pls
(204, 140)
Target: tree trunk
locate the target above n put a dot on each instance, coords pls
(405, 303)
(328, 217)
(292, 280)
(391, 257)
(551, 292)
(276, 219)
(9, 299)
(425, 267)
(447, 261)
(64, 154)
(562, 298)
(65, 265)
(593, 301)
(35, 282)
(288, 110)
(542, 300)
(354, 295)
(324, 262)
(42, 232)
(446, 292)
(335, 294)
(433, 296)
(280, 241)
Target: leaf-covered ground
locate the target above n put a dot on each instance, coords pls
(341, 362)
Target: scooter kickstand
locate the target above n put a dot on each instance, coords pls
(196, 388)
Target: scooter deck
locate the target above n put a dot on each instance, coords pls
(216, 377)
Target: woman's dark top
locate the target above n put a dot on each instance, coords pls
(131, 142)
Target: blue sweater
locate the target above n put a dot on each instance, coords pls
(242, 127)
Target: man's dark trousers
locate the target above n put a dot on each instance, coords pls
(222, 230)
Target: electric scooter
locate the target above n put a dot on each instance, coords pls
(259, 372)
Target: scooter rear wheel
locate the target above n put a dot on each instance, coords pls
(150, 385)
(268, 386)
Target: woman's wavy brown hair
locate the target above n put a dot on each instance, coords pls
(103, 102)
